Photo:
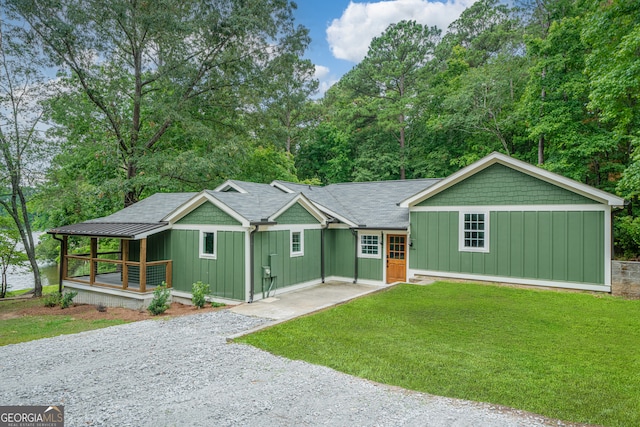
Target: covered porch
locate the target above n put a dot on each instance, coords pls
(131, 267)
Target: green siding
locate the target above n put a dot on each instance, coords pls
(225, 275)
(340, 247)
(296, 214)
(370, 268)
(289, 270)
(339, 253)
(208, 213)
(501, 185)
(555, 246)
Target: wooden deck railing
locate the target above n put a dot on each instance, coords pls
(116, 273)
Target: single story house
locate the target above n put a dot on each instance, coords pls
(499, 219)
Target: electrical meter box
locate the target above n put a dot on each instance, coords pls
(273, 263)
(266, 271)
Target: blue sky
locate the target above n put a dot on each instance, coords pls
(341, 30)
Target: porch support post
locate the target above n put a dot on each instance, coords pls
(64, 262)
(92, 256)
(64, 266)
(143, 265)
(125, 266)
(168, 273)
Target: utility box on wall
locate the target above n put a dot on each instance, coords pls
(274, 264)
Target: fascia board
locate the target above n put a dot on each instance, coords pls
(306, 203)
(228, 184)
(282, 187)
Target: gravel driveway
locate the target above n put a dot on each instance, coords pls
(181, 372)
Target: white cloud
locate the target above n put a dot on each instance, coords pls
(350, 35)
(326, 79)
(321, 72)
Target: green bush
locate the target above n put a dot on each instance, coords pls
(199, 291)
(160, 302)
(627, 237)
(53, 299)
(67, 299)
(217, 304)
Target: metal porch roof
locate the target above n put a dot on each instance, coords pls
(123, 230)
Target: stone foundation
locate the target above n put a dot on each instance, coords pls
(625, 279)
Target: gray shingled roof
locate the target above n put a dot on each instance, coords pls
(255, 187)
(153, 209)
(255, 206)
(366, 204)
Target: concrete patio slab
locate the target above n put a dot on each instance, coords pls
(292, 304)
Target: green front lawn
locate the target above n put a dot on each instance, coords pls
(30, 328)
(570, 356)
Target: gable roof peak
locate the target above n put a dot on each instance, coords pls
(520, 166)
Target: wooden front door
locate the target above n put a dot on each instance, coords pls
(396, 258)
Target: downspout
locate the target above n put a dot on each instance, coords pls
(61, 262)
(322, 233)
(251, 267)
(355, 264)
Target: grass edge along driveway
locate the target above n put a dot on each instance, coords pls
(570, 356)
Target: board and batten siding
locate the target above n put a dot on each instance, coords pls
(559, 246)
(225, 274)
(538, 231)
(340, 247)
(288, 270)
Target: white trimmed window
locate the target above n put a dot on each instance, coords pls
(369, 246)
(474, 231)
(208, 243)
(297, 243)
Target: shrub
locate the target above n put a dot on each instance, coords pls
(627, 237)
(217, 304)
(160, 302)
(199, 291)
(67, 299)
(53, 299)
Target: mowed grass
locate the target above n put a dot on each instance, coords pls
(31, 328)
(45, 290)
(570, 356)
(15, 330)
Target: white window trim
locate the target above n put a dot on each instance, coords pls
(487, 220)
(301, 251)
(374, 256)
(214, 255)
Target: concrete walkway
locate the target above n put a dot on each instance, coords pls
(292, 304)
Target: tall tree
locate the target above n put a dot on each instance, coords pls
(9, 254)
(612, 33)
(282, 104)
(141, 65)
(21, 143)
(388, 76)
(481, 79)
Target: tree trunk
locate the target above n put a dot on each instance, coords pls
(402, 142)
(541, 150)
(130, 195)
(543, 96)
(3, 289)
